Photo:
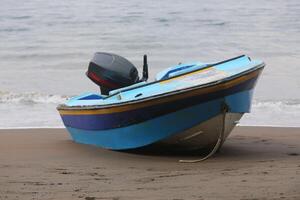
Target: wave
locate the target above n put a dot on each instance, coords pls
(264, 113)
(32, 97)
(277, 105)
(273, 113)
(35, 97)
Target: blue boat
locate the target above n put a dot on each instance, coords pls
(193, 105)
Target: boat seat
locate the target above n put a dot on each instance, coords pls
(179, 69)
(91, 96)
(88, 96)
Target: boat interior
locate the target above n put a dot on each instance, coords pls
(172, 79)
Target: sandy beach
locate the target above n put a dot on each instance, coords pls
(254, 163)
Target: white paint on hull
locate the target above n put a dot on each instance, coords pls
(205, 134)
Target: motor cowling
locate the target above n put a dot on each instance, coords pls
(110, 71)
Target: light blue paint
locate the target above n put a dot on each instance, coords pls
(128, 87)
(83, 99)
(190, 69)
(240, 65)
(228, 69)
(240, 102)
(153, 130)
(150, 131)
(179, 69)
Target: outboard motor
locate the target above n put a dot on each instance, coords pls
(111, 71)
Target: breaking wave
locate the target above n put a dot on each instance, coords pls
(283, 105)
(35, 97)
(31, 97)
(273, 113)
(267, 106)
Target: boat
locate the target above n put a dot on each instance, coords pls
(190, 106)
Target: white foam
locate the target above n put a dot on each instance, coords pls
(273, 113)
(277, 104)
(32, 97)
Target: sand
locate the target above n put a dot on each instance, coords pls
(254, 163)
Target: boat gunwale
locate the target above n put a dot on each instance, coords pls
(170, 78)
(63, 107)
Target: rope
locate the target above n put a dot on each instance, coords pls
(218, 143)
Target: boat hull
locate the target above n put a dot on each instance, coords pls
(176, 127)
(193, 117)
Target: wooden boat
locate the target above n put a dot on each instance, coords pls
(194, 105)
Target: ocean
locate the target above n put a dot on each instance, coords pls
(45, 48)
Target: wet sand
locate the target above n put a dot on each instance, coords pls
(254, 163)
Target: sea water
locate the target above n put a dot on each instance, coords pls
(45, 48)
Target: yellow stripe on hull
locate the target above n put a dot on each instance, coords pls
(132, 105)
